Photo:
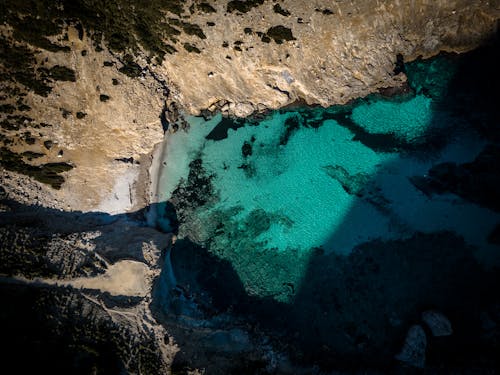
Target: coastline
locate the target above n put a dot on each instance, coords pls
(150, 191)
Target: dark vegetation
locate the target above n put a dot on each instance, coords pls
(130, 68)
(18, 64)
(205, 8)
(65, 112)
(243, 6)
(237, 45)
(191, 48)
(325, 11)
(49, 173)
(30, 155)
(122, 24)
(278, 9)
(7, 108)
(280, 34)
(265, 38)
(61, 73)
(192, 29)
(18, 122)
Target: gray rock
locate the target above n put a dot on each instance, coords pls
(437, 322)
(413, 351)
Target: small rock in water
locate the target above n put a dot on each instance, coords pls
(413, 351)
(437, 322)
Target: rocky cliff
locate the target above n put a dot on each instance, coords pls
(86, 85)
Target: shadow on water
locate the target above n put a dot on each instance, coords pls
(349, 312)
(353, 312)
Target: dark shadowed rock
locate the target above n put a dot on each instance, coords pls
(413, 351)
(437, 322)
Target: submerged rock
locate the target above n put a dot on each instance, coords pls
(413, 351)
(437, 322)
(476, 181)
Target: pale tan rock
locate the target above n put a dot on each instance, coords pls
(126, 277)
(125, 126)
(334, 58)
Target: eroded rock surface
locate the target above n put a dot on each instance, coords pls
(413, 351)
(85, 84)
(264, 57)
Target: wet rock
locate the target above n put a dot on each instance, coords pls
(437, 322)
(413, 351)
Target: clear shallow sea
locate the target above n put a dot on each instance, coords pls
(312, 180)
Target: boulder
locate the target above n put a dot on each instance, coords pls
(437, 322)
(413, 351)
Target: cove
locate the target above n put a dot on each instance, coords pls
(268, 195)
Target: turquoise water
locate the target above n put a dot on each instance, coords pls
(298, 182)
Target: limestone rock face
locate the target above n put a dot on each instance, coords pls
(98, 121)
(274, 54)
(90, 88)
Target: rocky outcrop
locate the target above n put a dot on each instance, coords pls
(413, 351)
(263, 56)
(74, 123)
(437, 323)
